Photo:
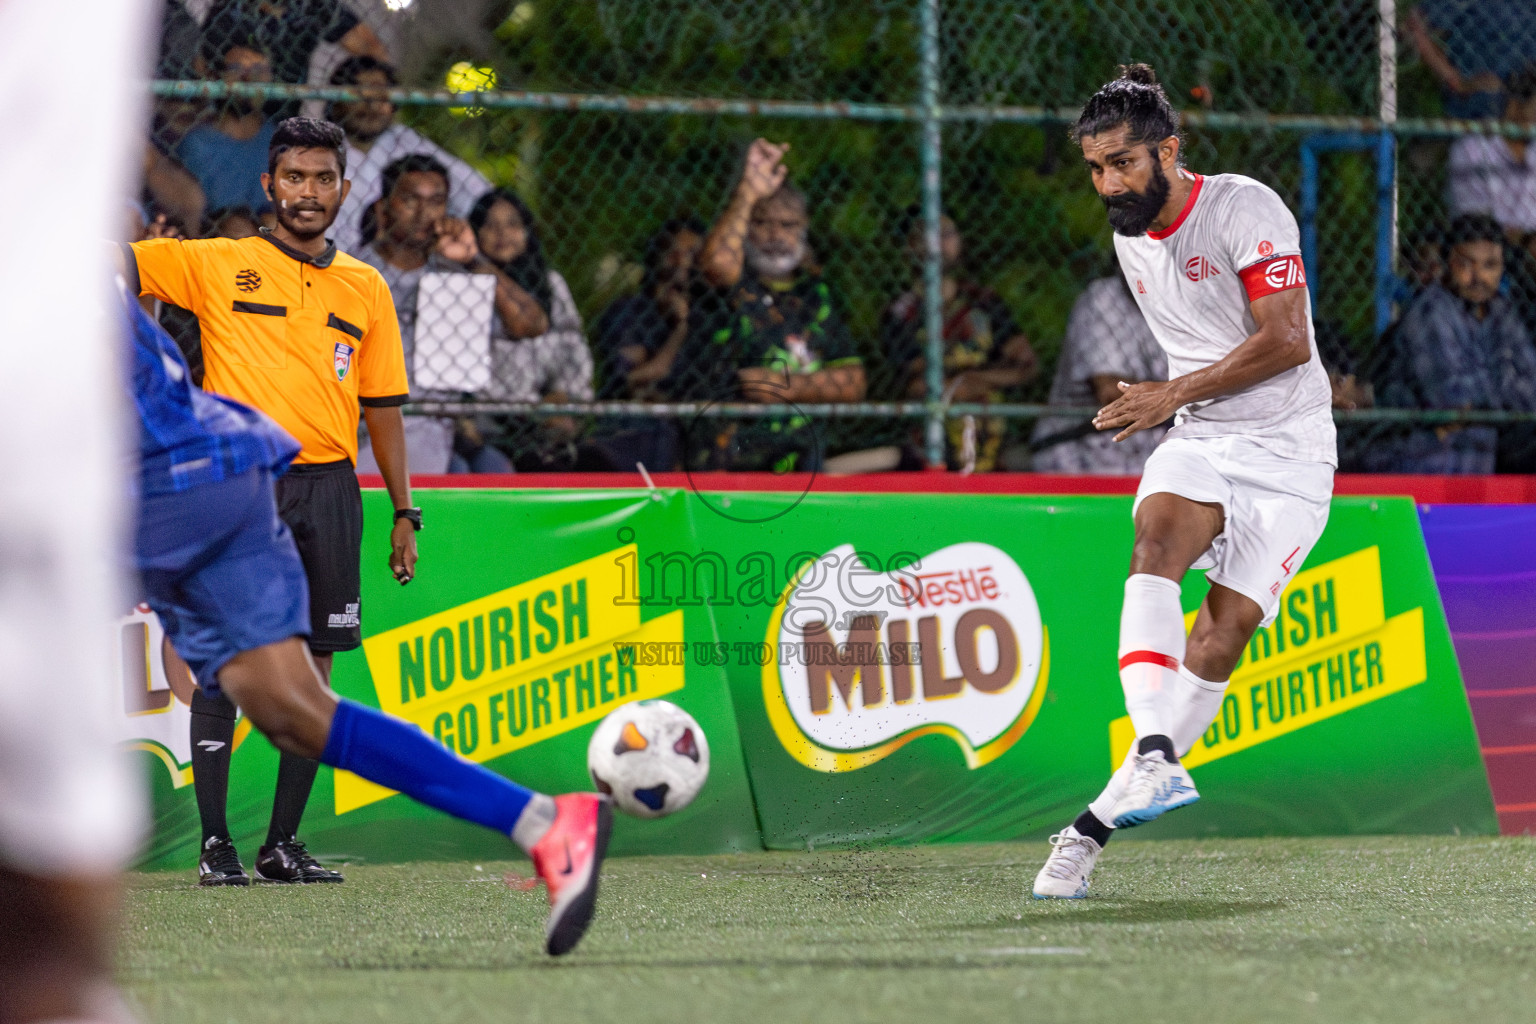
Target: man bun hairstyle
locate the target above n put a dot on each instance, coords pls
(307, 133)
(1141, 74)
(1134, 101)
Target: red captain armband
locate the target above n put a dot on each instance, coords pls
(1272, 276)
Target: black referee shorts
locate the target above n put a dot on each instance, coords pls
(323, 506)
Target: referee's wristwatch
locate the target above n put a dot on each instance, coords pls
(413, 514)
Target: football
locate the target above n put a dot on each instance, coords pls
(650, 756)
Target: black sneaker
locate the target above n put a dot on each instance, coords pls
(288, 861)
(220, 864)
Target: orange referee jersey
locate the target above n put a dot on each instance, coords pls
(304, 339)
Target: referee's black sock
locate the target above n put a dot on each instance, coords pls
(295, 777)
(213, 740)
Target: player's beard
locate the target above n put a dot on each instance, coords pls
(1132, 213)
(775, 260)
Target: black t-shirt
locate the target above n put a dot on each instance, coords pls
(795, 328)
(634, 320)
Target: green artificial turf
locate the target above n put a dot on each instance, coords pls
(1340, 930)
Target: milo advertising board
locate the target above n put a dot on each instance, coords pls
(868, 668)
(964, 685)
(515, 638)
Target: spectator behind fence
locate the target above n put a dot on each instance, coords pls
(374, 141)
(1423, 261)
(1471, 46)
(1108, 341)
(640, 335)
(1459, 346)
(765, 327)
(985, 353)
(180, 36)
(1495, 175)
(414, 237)
(229, 155)
(639, 338)
(289, 31)
(179, 58)
(543, 361)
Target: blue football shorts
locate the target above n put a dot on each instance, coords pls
(220, 568)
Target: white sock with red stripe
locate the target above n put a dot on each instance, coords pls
(1196, 703)
(1151, 651)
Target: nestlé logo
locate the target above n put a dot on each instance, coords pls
(868, 661)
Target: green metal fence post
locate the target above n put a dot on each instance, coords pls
(933, 263)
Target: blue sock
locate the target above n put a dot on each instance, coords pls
(394, 753)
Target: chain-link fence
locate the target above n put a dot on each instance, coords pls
(937, 286)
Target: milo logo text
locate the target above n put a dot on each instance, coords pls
(952, 646)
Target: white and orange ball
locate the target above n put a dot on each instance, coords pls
(650, 756)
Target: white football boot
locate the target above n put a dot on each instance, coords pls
(1066, 870)
(1156, 787)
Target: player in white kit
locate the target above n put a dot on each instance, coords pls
(1240, 485)
(71, 806)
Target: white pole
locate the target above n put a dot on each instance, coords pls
(1387, 110)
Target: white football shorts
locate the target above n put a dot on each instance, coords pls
(1275, 507)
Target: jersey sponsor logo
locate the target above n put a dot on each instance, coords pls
(1285, 273)
(1198, 268)
(346, 619)
(248, 280)
(343, 360)
(1286, 565)
(1274, 275)
(1266, 248)
(1140, 288)
(862, 662)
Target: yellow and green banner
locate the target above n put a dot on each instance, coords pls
(868, 668)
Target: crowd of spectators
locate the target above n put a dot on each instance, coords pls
(742, 310)
(1464, 336)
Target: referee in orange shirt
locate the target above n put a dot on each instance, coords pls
(306, 334)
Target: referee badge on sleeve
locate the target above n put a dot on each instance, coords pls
(343, 360)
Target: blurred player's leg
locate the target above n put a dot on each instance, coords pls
(221, 570)
(70, 808)
(567, 836)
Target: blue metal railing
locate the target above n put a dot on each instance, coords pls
(1384, 145)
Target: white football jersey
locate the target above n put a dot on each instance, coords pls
(1234, 241)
